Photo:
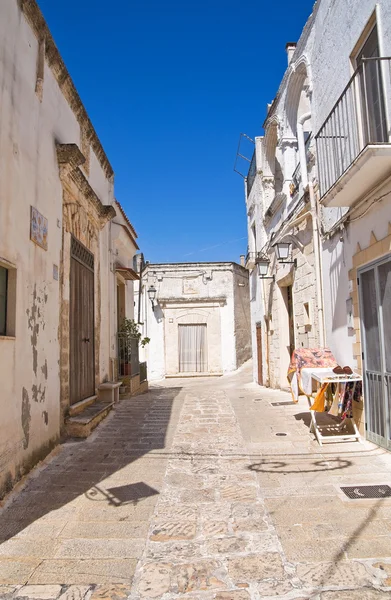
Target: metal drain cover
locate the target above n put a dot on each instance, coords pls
(281, 434)
(367, 491)
(287, 403)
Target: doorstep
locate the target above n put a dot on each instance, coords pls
(82, 424)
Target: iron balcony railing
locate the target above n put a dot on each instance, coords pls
(128, 355)
(359, 117)
(250, 258)
(252, 171)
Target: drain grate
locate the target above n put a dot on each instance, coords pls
(281, 433)
(257, 400)
(367, 491)
(287, 403)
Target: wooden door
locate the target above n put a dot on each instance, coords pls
(81, 323)
(259, 354)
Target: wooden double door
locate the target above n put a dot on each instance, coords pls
(81, 323)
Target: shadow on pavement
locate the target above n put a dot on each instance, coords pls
(138, 426)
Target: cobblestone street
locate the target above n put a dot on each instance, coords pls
(189, 492)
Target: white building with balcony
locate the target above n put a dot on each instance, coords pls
(322, 189)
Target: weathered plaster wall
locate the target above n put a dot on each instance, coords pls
(31, 125)
(29, 363)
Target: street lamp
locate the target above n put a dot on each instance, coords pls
(263, 263)
(282, 252)
(152, 295)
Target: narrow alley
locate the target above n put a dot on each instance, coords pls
(201, 488)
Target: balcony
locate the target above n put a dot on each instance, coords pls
(353, 144)
(250, 260)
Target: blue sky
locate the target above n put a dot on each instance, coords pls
(169, 86)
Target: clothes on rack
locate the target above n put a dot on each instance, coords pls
(342, 405)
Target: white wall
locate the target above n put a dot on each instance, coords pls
(29, 176)
(213, 282)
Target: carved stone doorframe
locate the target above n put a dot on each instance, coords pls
(84, 217)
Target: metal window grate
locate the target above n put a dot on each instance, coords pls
(367, 491)
(82, 254)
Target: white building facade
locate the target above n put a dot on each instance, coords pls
(58, 272)
(321, 183)
(199, 323)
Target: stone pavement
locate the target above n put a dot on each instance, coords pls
(188, 492)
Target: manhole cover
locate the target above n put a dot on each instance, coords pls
(287, 403)
(367, 491)
(281, 434)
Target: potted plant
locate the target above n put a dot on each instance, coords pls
(128, 331)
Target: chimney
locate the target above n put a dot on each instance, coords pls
(242, 260)
(290, 47)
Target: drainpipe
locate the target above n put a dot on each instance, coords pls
(315, 229)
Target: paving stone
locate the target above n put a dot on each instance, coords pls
(110, 530)
(352, 574)
(205, 495)
(386, 570)
(110, 592)
(76, 592)
(7, 591)
(92, 548)
(361, 594)
(232, 595)
(228, 545)
(84, 572)
(214, 528)
(256, 567)
(378, 546)
(234, 493)
(17, 571)
(183, 512)
(27, 548)
(38, 592)
(200, 576)
(249, 525)
(174, 551)
(155, 580)
(274, 587)
(173, 531)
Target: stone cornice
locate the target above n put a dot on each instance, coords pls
(37, 22)
(221, 300)
(69, 160)
(125, 216)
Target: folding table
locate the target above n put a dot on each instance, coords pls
(324, 375)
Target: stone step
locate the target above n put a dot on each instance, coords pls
(82, 424)
(78, 407)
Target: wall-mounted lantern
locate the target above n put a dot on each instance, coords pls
(283, 250)
(263, 263)
(152, 295)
